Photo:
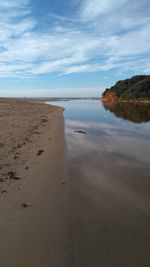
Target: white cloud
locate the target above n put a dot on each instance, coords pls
(94, 8)
(106, 36)
(7, 4)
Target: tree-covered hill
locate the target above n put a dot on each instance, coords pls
(136, 88)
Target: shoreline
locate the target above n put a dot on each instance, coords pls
(34, 194)
(140, 102)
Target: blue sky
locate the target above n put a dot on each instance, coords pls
(71, 47)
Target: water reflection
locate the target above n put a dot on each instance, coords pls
(133, 112)
(110, 183)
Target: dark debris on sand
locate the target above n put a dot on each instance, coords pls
(3, 191)
(12, 175)
(24, 205)
(40, 152)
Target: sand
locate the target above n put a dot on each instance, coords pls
(108, 205)
(35, 227)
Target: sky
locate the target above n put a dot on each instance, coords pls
(71, 48)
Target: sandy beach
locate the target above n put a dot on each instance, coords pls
(35, 227)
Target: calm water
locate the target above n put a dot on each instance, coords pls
(111, 135)
(109, 170)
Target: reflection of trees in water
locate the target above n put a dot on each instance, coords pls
(133, 112)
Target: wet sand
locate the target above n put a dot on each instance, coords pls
(110, 187)
(35, 228)
(111, 218)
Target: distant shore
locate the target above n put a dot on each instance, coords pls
(35, 225)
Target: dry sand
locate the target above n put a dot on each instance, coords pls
(35, 228)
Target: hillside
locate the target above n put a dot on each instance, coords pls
(136, 88)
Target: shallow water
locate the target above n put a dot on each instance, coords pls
(110, 182)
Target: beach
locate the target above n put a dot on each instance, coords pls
(35, 225)
(84, 203)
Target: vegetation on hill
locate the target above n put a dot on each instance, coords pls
(136, 88)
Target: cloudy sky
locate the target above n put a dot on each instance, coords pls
(71, 47)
